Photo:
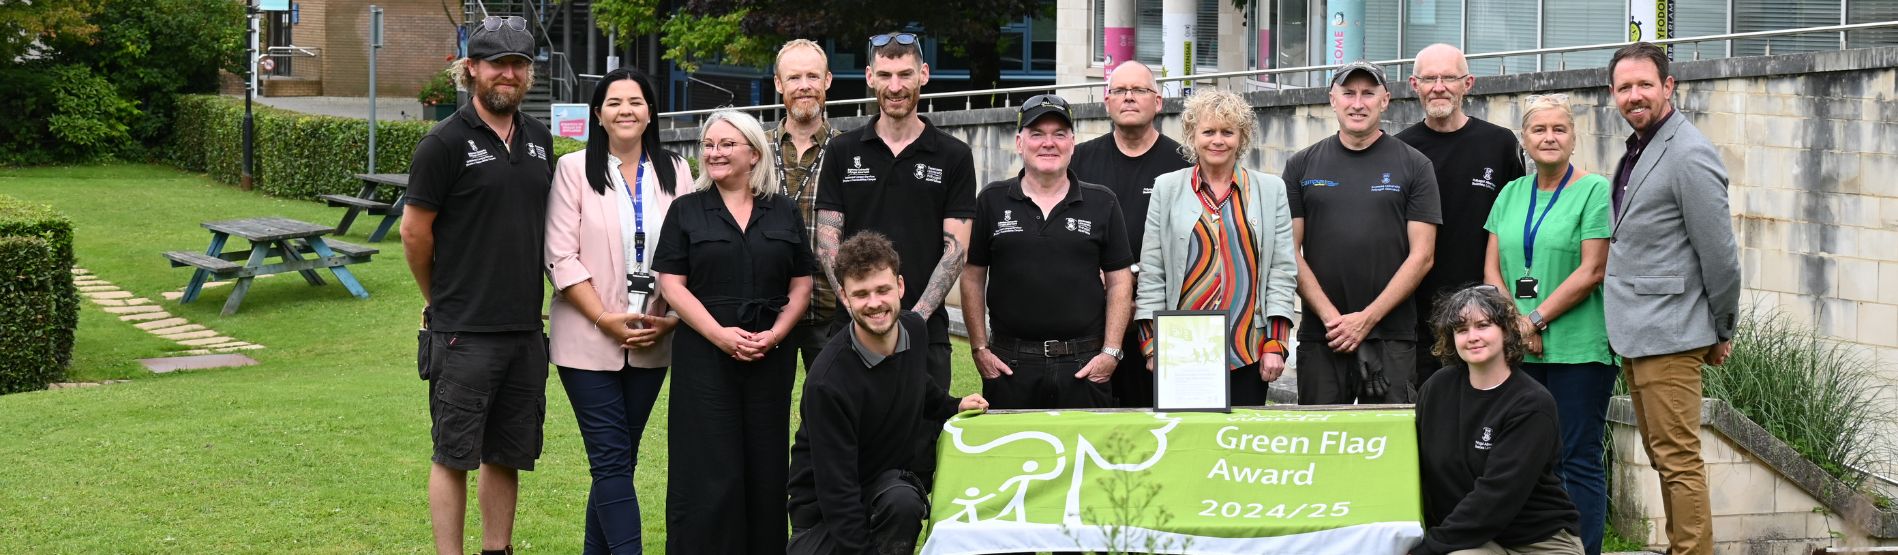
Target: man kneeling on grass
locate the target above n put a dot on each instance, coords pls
(869, 411)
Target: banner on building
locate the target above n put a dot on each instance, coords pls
(570, 120)
(1650, 20)
(1344, 31)
(1252, 481)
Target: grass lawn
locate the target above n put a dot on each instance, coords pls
(323, 447)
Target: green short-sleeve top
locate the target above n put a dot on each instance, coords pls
(1579, 335)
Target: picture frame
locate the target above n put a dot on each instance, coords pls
(1189, 370)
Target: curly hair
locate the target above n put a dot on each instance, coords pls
(463, 73)
(865, 253)
(1210, 105)
(1490, 304)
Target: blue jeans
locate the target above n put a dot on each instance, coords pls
(1581, 401)
(611, 408)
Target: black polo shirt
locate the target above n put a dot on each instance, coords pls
(1044, 272)
(491, 217)
(1099, 160)
(742, 277)
(904, 196)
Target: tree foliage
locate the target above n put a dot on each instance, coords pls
(24, 26)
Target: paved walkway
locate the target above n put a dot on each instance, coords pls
(140, 312)
(388, 108)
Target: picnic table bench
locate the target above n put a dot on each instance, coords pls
(365, 201)
(269, 237)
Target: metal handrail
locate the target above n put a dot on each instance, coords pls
(970, 95)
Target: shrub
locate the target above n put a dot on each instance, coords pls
(65, 113)
(297, 155)
(39, 307)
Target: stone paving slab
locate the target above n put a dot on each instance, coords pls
(159, 324)
(138, 301)
(136, 316)
(80, 271)
(89, 280)
(132, 309)
(198, 362)
(204, 341)
(110, 295)
(243, 348)
(74, 385)
(108, 302)
(176, 329)
(226, 345)
(94, 288)
(173, 295)
(200, 334)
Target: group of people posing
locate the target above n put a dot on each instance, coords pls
(1411, 253)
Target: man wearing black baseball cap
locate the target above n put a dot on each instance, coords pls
(472, 232)
(1049, 238)
(1364, 221)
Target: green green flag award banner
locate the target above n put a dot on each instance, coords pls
(1252, 481)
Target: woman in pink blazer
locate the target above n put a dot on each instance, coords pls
(610, 333)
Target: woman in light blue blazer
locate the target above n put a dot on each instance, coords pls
(1219, 237)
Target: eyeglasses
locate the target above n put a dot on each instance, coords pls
(882, 40)
(494, 23)
(1439, 79)
(1136, 92)
(727, 146)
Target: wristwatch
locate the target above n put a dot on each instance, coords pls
(1535, 319)
(1113, 352)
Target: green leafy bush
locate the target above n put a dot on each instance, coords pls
(39, 307)
(64, 113)
(297, 155)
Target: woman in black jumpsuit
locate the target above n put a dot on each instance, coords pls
(732, 260)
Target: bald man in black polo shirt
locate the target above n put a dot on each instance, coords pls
(1060, 246)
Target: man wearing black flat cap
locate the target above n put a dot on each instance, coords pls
(1058, 247)
(473, 232)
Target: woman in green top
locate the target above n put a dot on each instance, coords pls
(1548, 248)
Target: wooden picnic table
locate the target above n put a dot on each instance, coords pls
(365, 201)
(269, 237)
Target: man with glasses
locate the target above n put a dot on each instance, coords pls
(1126, 161)
(1473, 160)
(1057, 246)
(472, 233)
(907, 179)
(803, 80)
(1364, 219)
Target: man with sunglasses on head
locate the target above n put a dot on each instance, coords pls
(1473, 160)
(472, 233)
(1126, 161)
(907, 179)
(1056, 247)
(803, 80)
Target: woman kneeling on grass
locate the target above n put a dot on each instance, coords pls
(1488, 440)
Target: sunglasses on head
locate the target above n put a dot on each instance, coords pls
(1040, 100)
(882, 40)
(494, 23)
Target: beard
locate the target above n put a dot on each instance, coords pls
(803, 113)
(1439, 111)
(497, 101)
(903, 112)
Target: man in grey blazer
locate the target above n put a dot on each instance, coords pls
(1673, 285)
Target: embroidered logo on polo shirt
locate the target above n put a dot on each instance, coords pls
(1486, 182)
(477, 155)
(1482, 444)
(1083, 226)
(1385, 185)
(856, 173)
(1007, 224)
(537, 151)
(928, 173)
(1318, 183)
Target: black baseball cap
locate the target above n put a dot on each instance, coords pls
(499, 37)
(1042, 105)
(1344, 72)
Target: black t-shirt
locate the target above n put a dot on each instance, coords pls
(1507, 439)
(1473, 163)
(1044, 273)
(733, 272)
(903, 196)
(491, 217)
(859, 421)
(1100, 161)
(1357, 205)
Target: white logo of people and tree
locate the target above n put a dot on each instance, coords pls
(1083, 456)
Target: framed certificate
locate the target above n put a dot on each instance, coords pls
(1189, 370)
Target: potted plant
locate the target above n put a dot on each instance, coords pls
(438, 96)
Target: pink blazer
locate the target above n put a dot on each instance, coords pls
(583, 243)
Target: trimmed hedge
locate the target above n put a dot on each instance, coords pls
(39, 306)
(297, 155)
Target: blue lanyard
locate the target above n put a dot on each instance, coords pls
(639, 214)
(1529, 231)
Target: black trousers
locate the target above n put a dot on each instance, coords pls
(1039, 382)
(1132, 381)
(730, 449)
(897, 508)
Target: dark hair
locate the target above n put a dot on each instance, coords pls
(865, 253)
(894, 50)
(1488, 302)
(1640, 50)
(649, 141)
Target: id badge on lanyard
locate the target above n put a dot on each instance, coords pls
(639, 281)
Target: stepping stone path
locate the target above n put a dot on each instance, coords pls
(153, 319)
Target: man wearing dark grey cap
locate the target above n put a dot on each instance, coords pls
(1058, 248)
(1364, 218)
(472, 232)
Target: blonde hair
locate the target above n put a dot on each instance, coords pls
(800, 43)
(463, 74)
(1539, 102)
(1209, 105)
(763, 180)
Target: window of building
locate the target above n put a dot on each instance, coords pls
(1500, 26)
(1579, 24)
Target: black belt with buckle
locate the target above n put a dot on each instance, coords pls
(1045, 349)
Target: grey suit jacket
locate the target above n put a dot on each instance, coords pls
(1673, 279)
(1171, 214)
